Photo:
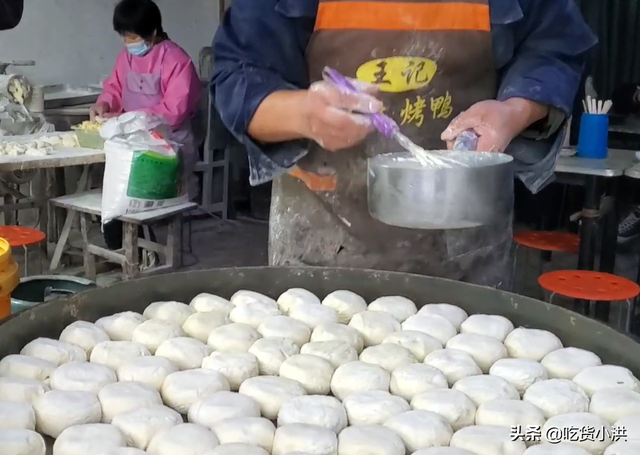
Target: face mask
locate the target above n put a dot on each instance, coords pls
(138, 49)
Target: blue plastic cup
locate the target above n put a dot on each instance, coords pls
(594, 134)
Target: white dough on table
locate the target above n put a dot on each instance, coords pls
(556, 449)
(324, 411)
(335, 352)
(334, 331)
(233, 338)
(486, 440)
(122, 397)
(82, 377)
(292, 297)
(256, 431)
(557, 396)
(21, 442)
(374, 326)
(418, 343)
(485, 350)
(454, 314)
(420, 429)
(370, 440)
(149, 370)
(594, 379)
(521, 373)
(200, 325)
(142, 425)
(313, 372)
(456, 407)
(631, 425)
(183, 439)
(205, 302)
(532, 344)
(617, 448)
(614, 404)
(253, 313)
(84, 335)
(114, 354)
(183, 388)
(58, 410)
(346, 303)
(236, 367)
(237, 449)
(242, 297)
(302, 437)
(397, 306)
(566, 363)
(89, 439)
(313, 315)
(120, 326)
(486, 388)
(510, 414)
(54, 351)
(563, 430)
(176, 312)
(124, 451)
(154, 332)
(185, 353)
(489, 325)
(443, 451)
(26, 367)
(17, 416)
(411, 380)
(271, 393)
(436, 326)
(453, 363)
(20, 390)
(388, 356)
(271, 352)
(373, 407)
(356, 377)
(286, 327)
(220, 406)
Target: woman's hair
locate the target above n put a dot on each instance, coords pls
(141, 17)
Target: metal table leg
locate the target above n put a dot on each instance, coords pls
(588, 229)
(609, 244)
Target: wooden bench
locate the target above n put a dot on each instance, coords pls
(89, 204)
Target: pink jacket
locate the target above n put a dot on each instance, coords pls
(180, 83)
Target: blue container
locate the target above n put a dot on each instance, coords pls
(594, 133)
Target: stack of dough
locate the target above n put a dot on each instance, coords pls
(303, 376)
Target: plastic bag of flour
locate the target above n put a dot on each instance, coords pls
(143, 168)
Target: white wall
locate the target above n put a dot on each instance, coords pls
(72, 41)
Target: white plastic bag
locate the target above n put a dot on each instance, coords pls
(143, 169)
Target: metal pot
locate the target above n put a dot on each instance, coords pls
(477, 192)
(38, 289)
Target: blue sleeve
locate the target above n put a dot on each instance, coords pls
(257, 50)
(549, 52)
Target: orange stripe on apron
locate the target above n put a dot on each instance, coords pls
(398, 16)
(313, 181)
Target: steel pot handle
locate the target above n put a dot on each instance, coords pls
(51, 293)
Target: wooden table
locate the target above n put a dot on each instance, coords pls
(59, 158)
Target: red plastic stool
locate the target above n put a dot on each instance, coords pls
(592, 287)
(19, 236)
(544, 241)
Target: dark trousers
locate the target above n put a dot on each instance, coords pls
(113, 234)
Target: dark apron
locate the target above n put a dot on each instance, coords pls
(431, 60)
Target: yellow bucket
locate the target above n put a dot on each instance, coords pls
(9, 278)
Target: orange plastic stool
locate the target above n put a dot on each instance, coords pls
(19, 236)
(564, 242)
(593, 287)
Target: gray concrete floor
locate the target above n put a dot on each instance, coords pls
(243, 242)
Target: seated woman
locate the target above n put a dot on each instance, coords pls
(154, 75)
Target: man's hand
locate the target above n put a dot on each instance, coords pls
(100, 109)
(333, 117)
(496, 123)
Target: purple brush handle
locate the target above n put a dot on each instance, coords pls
(384, 124)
